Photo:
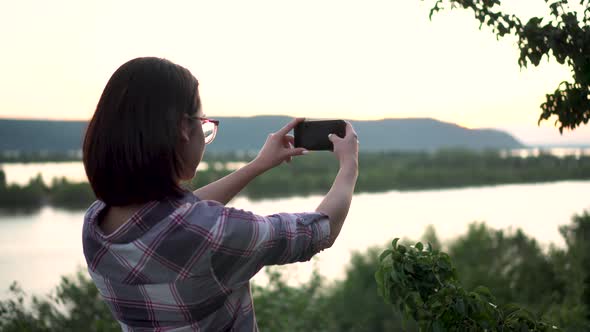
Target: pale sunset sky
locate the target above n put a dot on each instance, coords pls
(314, 58)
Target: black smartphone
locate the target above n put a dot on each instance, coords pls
(313, 135)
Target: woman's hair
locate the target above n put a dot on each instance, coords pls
(130, 148)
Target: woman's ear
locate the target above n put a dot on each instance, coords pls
(185, 130)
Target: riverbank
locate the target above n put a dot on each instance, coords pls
(313, 174)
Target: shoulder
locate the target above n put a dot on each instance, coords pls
(203, 213)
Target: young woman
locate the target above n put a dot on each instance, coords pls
(168, 259)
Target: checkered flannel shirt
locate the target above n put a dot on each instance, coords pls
(185, 264)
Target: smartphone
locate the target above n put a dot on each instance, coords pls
(313, 135)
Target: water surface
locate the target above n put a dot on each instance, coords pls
(37, 249)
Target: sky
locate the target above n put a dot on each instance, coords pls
(360, 60)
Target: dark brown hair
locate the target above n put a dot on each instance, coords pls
(130, 148)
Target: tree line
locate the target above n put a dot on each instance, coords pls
(313, 174)
(526, 288)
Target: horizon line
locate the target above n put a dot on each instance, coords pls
(267, 115)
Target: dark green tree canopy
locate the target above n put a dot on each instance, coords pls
(564, 34)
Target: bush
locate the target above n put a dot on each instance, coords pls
(423, 284)
(71, 195)
(75, 306)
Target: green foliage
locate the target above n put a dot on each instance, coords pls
(280, 307)
(314, 174)
(75, 306)
(71, 195)
(503, 261)
(407, 171)
(514, 267)
(36, 157)
(61, 193)
(355, 304)
(430, 236)
(14, 197)
(419, 279)
(423, 283)
(2, 179)
(565, 35)
(574, 265)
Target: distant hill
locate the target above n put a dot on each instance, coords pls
(249, 133)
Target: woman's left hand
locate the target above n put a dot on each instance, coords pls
(279, 148)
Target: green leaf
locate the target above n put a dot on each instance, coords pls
(379, 277)
(419, 246)
(394, 243)
(402, 249)
(485, 292)
(436, 305)
(385, 254)
(460, 306)
(511, 308)
(395, 276)
(437, 326)
(442, 264)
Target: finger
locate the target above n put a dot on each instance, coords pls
(287, 128)
(289, 138)
(297, 152)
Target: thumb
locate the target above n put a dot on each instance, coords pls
(334, 138)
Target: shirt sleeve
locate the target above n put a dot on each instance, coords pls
(244, 242)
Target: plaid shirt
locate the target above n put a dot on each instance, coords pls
(185, 264)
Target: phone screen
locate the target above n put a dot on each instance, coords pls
(313, 135)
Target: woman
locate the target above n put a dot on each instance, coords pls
(167, 259)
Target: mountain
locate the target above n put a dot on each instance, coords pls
(39, 135)
(249, 133)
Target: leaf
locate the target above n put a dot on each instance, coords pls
(436, 305)
(419, 246)
(437, 327)
(394, 276)
(402, 249)
(379, 277)
(385, 254)
(511, 308)
(460, 306)
(394, 243)
(442, 264)
(484, 292)
(409, 267)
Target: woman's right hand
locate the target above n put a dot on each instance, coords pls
(346, 149)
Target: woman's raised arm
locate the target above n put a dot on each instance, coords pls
(337, 201)
(277, 149)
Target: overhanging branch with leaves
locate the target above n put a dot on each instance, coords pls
(564, 35)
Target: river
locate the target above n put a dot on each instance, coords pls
(37, 249)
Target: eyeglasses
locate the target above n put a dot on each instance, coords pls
(209, 128)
